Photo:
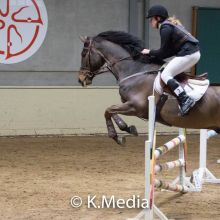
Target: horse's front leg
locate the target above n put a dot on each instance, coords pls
(126, 108)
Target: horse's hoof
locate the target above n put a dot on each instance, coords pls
(121, 141)
(133, 130)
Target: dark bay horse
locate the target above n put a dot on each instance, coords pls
(120, 52)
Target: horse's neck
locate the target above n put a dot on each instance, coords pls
(122, 68)
(129, 68)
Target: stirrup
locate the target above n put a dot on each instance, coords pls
(188, 108)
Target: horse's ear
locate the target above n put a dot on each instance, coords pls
(83, 39)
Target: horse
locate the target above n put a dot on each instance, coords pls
(120, 53)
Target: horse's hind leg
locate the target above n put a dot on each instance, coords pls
(111, 130)
(123, 126)
(125, 109)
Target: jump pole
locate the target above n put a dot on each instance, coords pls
(148, 213)
(204, 174)
(182, 179)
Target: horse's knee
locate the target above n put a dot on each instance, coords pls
(107, 113)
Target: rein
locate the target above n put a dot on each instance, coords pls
(138, 74)
(107, 67)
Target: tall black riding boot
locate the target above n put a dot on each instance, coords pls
(185, 102)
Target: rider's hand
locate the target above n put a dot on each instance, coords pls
(145, 51)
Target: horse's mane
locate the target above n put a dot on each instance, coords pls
(133, 45)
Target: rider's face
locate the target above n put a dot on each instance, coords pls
(153, 22)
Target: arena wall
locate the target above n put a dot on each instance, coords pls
(182, 10)
(54, 111)
(40, 96)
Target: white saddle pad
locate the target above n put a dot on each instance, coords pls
(194, 88)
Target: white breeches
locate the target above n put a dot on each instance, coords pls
(178, 65)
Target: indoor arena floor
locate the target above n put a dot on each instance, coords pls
(40, 175)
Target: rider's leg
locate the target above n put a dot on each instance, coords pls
(185, 102)
(174, 67)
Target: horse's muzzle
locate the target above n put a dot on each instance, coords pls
(83, 79)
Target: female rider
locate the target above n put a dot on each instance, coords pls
(176, 42)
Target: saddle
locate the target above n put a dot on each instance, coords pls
(195, 86)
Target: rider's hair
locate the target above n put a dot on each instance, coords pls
(174, 20)
(160, 19)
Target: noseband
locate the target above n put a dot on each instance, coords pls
(107, 67)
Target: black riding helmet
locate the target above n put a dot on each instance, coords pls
(158, 10)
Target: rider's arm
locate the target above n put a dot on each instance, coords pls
(164, 52)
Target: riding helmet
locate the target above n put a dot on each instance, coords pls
(157, 10)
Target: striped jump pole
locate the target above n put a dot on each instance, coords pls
(182, 179)
(172, 187)
(159, 151)
(169, 165)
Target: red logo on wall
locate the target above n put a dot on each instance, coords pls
(23, 27)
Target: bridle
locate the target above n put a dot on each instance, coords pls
(108, 66)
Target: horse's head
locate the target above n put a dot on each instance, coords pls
(118, 50)
(91, 61)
